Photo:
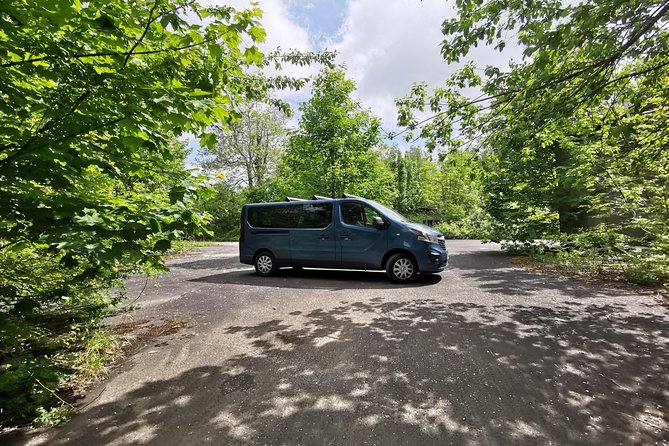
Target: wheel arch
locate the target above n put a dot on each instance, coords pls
(392, 252)
(261, 250)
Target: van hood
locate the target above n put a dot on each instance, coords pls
(425, 228)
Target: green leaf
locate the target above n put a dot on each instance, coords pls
(257, 33)
(253, 56)
(162, 245)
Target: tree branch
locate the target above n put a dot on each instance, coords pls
(146, 30)
(27, 148)
(122, 53)
(661, 11)
(619, 78)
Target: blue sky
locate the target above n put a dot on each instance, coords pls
(321, 18)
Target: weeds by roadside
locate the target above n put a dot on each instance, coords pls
(590, 269)
(98, 349)
(185, 246)
(601, 253)
(45, 368)
(50, 312)
(52, 346)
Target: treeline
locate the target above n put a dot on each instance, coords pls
(575, 133)
(338, 148)
(564, 155)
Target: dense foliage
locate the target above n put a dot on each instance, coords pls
(414, 174)
(575, 133)
(224, 207)
(445, 191)
(93, 96)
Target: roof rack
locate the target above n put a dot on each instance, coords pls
(320, 197)
(350, 196)
(295, 199)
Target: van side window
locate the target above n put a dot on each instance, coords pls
(352, 214)
(314, 215)
(291, 216)
(370, 214)
(270, 216)
(357, 214)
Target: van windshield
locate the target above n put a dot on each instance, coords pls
(389, 212)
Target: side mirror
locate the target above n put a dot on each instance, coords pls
(378, 223)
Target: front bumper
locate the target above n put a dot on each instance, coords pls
(433, 260)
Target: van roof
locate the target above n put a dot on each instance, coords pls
(291, 200)
(313, 199)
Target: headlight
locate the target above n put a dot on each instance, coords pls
(424, 236)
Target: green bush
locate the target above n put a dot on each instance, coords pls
(24, 384)
(49, 313)
(224, 206)
(55, 416)
(649, 265)
(475, 225)
(604, 251)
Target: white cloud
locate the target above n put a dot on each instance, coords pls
(386, 45)
(389, 45)
(282, 32)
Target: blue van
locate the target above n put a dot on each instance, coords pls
(346, 233)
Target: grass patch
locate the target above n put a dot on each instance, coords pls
(44, 370)
(99, 350)
(186, 246)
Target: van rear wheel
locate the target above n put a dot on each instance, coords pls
(401, 268)
(265, 264)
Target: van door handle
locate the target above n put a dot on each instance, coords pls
(324, 237)
(345, 236)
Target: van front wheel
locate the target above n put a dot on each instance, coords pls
(401, 268)
(265, 264)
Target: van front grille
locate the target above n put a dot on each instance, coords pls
(442, 242)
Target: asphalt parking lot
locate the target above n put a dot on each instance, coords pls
(481, 354)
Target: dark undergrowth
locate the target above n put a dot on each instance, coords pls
(631, 266)
(51, 343)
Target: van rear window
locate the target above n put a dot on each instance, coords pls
(291, 216)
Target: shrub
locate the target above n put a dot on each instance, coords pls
(49, 314)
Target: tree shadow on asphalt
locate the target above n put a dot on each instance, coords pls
(412, 372)
(492, 272)
(317, 279)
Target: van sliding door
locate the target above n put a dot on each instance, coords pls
(312, 241)
(361, 245)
